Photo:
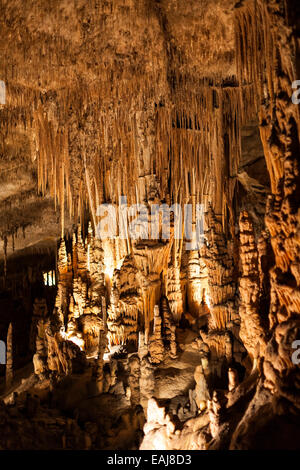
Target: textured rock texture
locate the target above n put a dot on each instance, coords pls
(135, 340)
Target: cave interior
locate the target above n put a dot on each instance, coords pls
(149, 224)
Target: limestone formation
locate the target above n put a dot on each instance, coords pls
(233, 379)
(157, 416)
(215, 415)
(40, 310)
(9, 371)
(202, 394)
(147, 382)
(150, 221)
(220, 268)
(156, 346)
(100, 361)
(251, 331)
(134, 380)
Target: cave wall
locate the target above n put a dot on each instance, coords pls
(166, 103)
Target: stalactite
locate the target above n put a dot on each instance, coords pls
(153, 132)
(271, 67)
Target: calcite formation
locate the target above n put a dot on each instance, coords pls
(150, 220)
(251, 321)
(220, 268)
(156, 345)
(9, 358)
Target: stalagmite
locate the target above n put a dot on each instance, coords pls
(219, 261)
(156, 346)
(233, 379)
(168, 328)
(100, 361)
(174, 293)
(202, 394)
(142, 346)
(197, 283)
(173, 344)
(134, 380)
(251, 331)
(147, 381)
(215, 414)
(40, 356)
(9, 372)
(40, 310)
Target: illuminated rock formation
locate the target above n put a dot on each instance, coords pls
(149, 229)
(221, 287)
(156, 346)
(202, 394)
(134, 380)
(233, 379)
(9, 372)
(251, 330)
(40, 310)
(214, 410)
(99, 374)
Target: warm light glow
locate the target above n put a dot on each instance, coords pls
(77, 341)
(88, 257)
(49, 278)
(106, 357)
(108, 259)
(207, 300)
(119, 263)
(109, 271)
(74, 339)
